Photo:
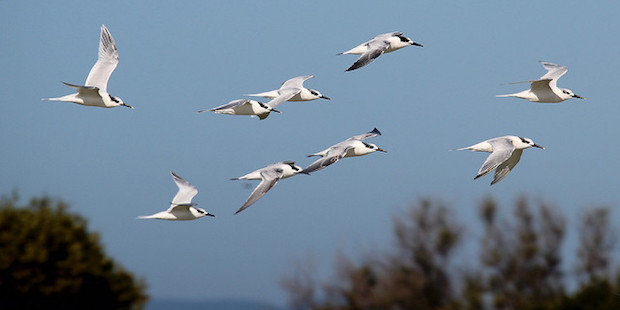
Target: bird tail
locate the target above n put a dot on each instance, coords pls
(144, 217)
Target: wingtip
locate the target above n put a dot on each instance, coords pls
(375, 131)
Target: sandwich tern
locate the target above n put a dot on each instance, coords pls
(383, 43)
(505, 154)
(244, 107)
(269, 176)
(181, 208)
(291, 90)
(354, 146)
(94, 92)
(545, 88)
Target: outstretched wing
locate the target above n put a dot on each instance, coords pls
(85, 90)
(334, 154)
(376, 47)
(106, 63)
(503, 169)
(231, 104)
(269, 179)
(284, 95)
(554, 72)
(186, 192)
(502, 150)
(296, 82)
(375, 132)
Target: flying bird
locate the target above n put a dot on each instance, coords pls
(383, 43)
(545, 89)
(244, 107)
(95, 89)
(181, 208)
(291, 90)
(269, 176)
(505, 154)
(354, 146)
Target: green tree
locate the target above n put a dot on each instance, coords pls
(49, 260)
(520, 265)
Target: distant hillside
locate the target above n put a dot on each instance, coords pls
(179, 304)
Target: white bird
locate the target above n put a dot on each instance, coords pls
(291, 90)
(383, 43)
(545, 89)
(269, 176)
(95, 89)
(354, 146)
(505, 154)
(181, 208)
(244, 107)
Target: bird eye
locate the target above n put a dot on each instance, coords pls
(314, 93)
(403, 39)
(113, 99)
(566, 92)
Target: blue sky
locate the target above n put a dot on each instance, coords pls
(176, 58)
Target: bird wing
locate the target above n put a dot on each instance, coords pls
(542, 85)
(186, 192)
(376, 47)
(334, 154)
(502, 149)
(284, 95)
(503, 169)
(231, 104)
(106, 63)
(180, 208)
(375, 132)
(85, 90)
(296, 82)
(270, 178)
(554, 72)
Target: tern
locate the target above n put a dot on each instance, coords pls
(291, 90)
(545, 89)
(505, 154)
(244, 107)
(383, 43)
(95, 89)
(269, 176)
(354, 146)
(181, 208)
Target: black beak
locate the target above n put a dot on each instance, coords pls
(274, 110)
(575, 96)
(381, 150)
(209, 214)
(416, 44)
(126, 105)
(325, 97)
(538, 146)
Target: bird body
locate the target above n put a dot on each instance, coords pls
(354, 146)
(545, 88)
(505, 154)
(244, 107)
(269, 176)
(94, 92)
(383, 43)
(181, 207)
(291, 90)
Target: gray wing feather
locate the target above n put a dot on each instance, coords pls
(186, 192)
(332, 156)
(231, 104)
(296, 82)
(375, 132)
(285, 95)
(270, 179)
(503, 169)
(375, 49)
(84, 90)
(106, 62)
(502, 150)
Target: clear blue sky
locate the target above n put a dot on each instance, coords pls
(112, 165)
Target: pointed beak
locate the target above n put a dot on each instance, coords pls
(274, 110)
(324, 97)
(381, 150)
(538, 146)
(576, 96)
(126, 105)
(416, 44)
(209, 214)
